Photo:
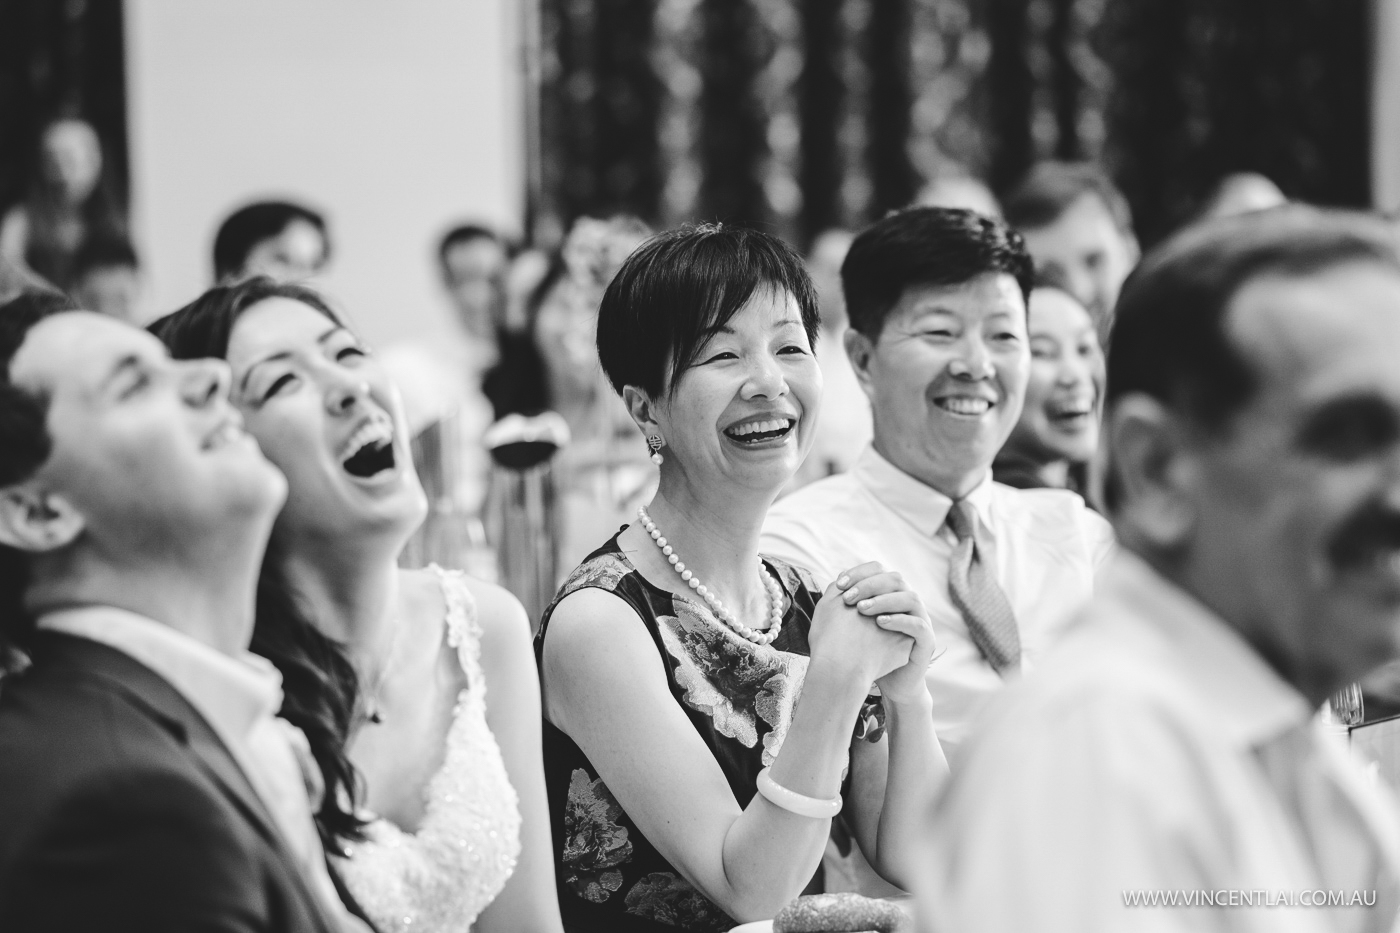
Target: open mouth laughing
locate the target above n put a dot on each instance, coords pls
(1072, 414)
(228, 431)
(370, 451)
(756, 431)
(965, 406)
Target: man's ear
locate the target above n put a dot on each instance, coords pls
(642, 409)
(37, 522)
(1154, 471)
(859, 350)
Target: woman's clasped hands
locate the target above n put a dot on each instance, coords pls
(870, 623)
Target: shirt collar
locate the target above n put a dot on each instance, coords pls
(1245, 698)
(914, 500)
(231, 693)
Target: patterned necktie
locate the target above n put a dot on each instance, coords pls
(975, 591)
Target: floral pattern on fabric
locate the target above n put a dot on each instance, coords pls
(732, 681)
(734, 693)
(870, 725)
(798, 578)
(666, 898)
(604, 571)
(594, 843)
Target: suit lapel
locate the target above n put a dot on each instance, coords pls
(151, 693)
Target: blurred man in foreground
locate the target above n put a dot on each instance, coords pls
(1168, 749)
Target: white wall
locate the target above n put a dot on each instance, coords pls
(395, 118)
(1385, 107)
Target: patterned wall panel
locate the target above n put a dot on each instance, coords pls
(804, 114)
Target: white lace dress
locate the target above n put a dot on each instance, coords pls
(441, 877)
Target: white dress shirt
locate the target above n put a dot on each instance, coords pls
(1047, 547)
(1156, 752)
(239, 698)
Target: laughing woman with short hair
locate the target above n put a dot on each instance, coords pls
(707, 713)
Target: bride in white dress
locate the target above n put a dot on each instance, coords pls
(446, 735)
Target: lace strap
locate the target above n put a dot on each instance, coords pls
(462, 626)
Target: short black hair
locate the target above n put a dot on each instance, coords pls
(466, 233)
(25, 445)
(1170, 337)
(678, 287)
(926, 246)
(1050, 187)
(104, 251)
(248, 226)
(24, 439)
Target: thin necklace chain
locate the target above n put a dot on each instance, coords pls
(374, 713)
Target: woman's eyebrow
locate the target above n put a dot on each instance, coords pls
(247, 373)
(286, 354)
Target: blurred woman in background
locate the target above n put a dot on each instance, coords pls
(603, 473)
(1055, 442)
(446, 728)
(68, 201)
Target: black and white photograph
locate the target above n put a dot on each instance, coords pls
(700, 466)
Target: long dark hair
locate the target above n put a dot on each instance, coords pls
(319, 684)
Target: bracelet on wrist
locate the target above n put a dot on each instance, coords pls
(790, 800)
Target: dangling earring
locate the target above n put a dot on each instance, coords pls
(655, 442)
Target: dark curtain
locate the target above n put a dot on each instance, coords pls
(820, 97)
(1010, 85)
(894, 182)
(598, 100)
(732, 123)
(1204, 88)
(60, 58)
(1170, 94)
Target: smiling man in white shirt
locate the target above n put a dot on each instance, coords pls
(937, 305)
(1164, 771)
(144, 781)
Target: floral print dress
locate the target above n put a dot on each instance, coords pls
(740, 698)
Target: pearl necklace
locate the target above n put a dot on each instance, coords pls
(775, 593)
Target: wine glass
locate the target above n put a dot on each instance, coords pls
(1347, 707)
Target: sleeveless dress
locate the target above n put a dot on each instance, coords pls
(441, 877)
(739, 697)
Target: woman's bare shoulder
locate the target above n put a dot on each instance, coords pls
(598, 647)
(592, 613)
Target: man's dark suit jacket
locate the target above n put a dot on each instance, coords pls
(121, 810)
